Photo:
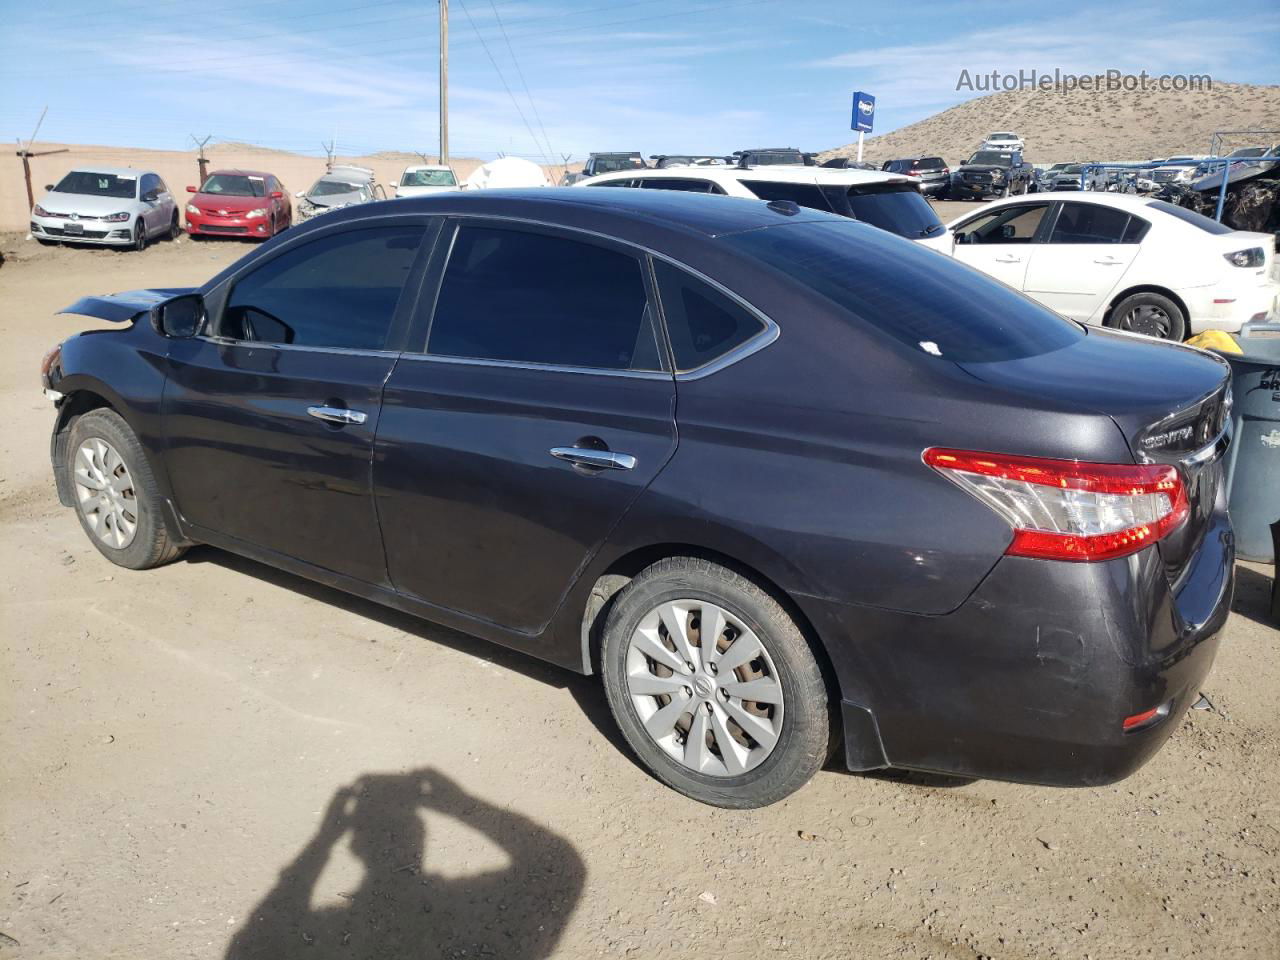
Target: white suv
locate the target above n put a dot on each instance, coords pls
(890, 201)
(1003, 140)
(1122, 261)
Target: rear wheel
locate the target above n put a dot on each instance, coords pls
(714, 686)
(1150, 314)
(115, 493)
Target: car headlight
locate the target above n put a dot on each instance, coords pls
(192, 208)
(40, 211)
(256, 214)
(1253, 257)
(117, 217)
(997, 174)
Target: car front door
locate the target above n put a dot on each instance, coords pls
(165, 205)
(270, 416)
(1087, 252)
(1000, 242)
(518, 430)
(148, 196)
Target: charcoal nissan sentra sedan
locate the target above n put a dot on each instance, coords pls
(788, 483)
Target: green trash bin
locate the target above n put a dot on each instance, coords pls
(1253, 461)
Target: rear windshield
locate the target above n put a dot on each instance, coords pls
(899, 210)
(611, 164)
(1189, 216)
(332, 188)
(930, 303)
(98, 185)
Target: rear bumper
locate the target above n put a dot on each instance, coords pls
(1245, 303)
(1032, 678)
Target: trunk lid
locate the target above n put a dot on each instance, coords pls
(1169, 401)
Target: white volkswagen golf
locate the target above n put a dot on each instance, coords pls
(1122, 261)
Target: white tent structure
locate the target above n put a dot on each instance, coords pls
(507, 172)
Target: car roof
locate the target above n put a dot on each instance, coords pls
(777, 173)
(427, 166)
(237, 172)
(622, 213)
(1124, 201)
(127, 172)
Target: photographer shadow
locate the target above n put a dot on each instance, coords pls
(404, 909)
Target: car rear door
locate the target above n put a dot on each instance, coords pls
(1000, 242)
(270, 416)
(533, 407)
(1087, 251)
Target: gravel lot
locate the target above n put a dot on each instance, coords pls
(216, 759)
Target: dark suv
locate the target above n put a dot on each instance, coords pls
(788, 482)
(932, 172)
(991, 173)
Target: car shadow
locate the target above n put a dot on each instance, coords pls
(409, 903)
(587, 691)
(1253, 596)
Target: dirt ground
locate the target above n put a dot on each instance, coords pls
(218, 760)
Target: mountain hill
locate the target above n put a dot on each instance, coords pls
(1077, 126)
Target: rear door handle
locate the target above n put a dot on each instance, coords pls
(337, 415)
(599, 459)
(1108, 261)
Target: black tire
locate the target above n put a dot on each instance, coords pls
(175, 228)
(139, 236)
(805, 739)
(1149, 314)
(152, 544)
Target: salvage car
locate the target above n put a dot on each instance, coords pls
(1006, 141)
(932, 172)
(426, 178)
(1122, 261)
(981, 540)
(598, 163)
(887, 200)
(341, 187)
(109, 206)
(239, 203)
(991, 173)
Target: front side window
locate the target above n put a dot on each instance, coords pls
(614, 183)
(523, 297)
(1008, 225)
(702, 323)
(1089, 223)
(98, 185)
(338, 291)
(679, 183)
(804, 194)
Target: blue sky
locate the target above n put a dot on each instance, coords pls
(654, 75)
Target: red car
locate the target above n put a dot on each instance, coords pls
(239, 203)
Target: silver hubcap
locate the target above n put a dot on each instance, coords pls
(1148, 319)
(105, 493)
(705, 687)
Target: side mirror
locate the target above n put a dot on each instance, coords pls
(299, 195)
(1008, 231)
(276, 194)
(191, 189)
(179, 318)
(150, 196)
(48, 186)
(962, 237)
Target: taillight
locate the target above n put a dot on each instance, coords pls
(1253, 257)
(1068, 510)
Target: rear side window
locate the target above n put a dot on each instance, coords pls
(1190, 216)
(527, 297)
(1089, 223)
(899, 210)
(614, 183)
(897, 166)
(805, 194)
(702, 323)
(338, 291)
(902, 290)
(689, 185)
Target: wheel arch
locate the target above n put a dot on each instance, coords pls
(1147, 288)
(75, 403)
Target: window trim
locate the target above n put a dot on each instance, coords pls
(1043, 229)
(1062, 205)
(415, 347)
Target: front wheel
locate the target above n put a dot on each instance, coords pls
(115, 493)
(139, 236)
(175, 228)
(1150, 314)
(714, 686)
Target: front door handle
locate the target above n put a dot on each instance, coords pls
(1108, 261)
(337, 415)
(597, 459)
(1007, 259)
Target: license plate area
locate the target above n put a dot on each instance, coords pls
(71, 227)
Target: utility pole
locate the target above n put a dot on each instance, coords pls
(26, 156)
(444, 82)
(328, 152)
(201, 161)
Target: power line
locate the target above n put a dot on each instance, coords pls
(498, 70)
(546, 139)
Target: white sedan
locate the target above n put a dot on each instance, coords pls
(1123, 261)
